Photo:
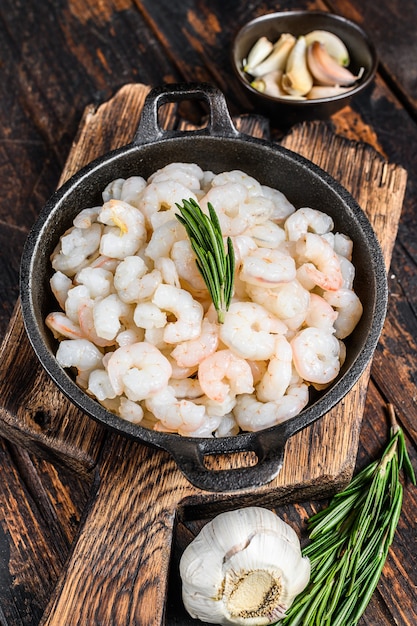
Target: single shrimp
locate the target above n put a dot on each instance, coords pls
(134, 282)
(189, 313)
(86, 217)
(278, 375)
(178, 415)
(307, 220)
(99, 385)
(250, 331)
(316, 355)
(289, 302)
(282, 206)
(223, 374)
(192, 352)
(79, 353)
(63, 326)
(163, 238)
(98, 281)
(109, 313)
(130, 335)
(138, 370)
(113, 190)
(168, 270)
(320, 261)
(75, 247)
(87, 324)
(252, 186)
(60, 285)
(253, 415)
(159, 197)
(320, 314)
(267, 235)
(267, 268)
(128, 233)
(130, 411)
(349, 309)
(147, 315)
(131, 190)
(188, 174)
(227, 200)
(184, 259)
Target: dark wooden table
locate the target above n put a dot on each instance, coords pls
(57, 58)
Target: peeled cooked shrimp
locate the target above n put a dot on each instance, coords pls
(63, 326)
(176, 415)
(79, 353)
(75, 248)
(159, 197)
(253, 415)
(129, 232)
(60, 285)
(316, 355)
(349, 310)
(223, 374)
(188, 174)
(192, 352)
(307, 220)
(109, 313)
(282, 206)
(277, 377)
(189, 313)
(320, 314)
(320, 262)
(289, 301)
(138, 370)
(98, 281)
(267, 268)
(250, 331)
(133, 281)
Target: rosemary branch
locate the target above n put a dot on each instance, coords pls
(215, 265)
(350, 539)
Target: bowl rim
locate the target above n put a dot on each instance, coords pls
(268, 17)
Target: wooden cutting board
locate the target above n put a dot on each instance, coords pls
(118, 568)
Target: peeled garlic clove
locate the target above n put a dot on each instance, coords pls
(278, 58)
(258, 53)
(297, 80)
(333, 44)
(269, 84)
(324, 91)
(325, 70)
(245, 567)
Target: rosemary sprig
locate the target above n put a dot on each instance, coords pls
(215, 265)
(350, 539)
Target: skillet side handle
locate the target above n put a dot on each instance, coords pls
(192, 456)
(219, 124)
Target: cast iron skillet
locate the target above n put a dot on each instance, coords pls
(218, 147)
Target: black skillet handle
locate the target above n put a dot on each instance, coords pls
(266, 446)
(219, 124)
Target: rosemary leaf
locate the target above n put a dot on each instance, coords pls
(216, 266)
(350, 540)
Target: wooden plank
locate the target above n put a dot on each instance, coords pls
(318, 460)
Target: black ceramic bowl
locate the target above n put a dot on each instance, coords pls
(218, 147)
(285, 112)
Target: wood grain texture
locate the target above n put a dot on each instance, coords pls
(127, 535)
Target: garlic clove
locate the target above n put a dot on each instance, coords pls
(270, 85)
(333, 44)
(297, 79)
(245, 567)
(278, 58)
(324, 91)
(257, 53)
(325, 70)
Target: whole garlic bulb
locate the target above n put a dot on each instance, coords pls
(244, 567)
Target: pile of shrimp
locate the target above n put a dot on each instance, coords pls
(141, 334)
